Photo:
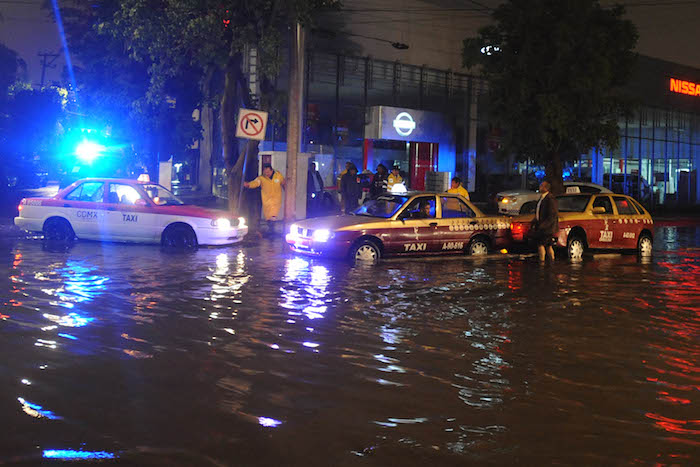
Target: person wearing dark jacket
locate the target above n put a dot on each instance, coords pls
(350, 189)
(545, 225)
(379, 181)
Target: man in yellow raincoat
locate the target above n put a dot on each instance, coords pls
(458, 188)
(393, 179)
(271, 184)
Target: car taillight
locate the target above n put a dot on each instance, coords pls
(517, 230)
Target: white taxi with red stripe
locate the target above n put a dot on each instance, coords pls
(127, 211)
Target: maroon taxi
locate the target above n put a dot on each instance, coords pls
(604, 221)
(402, 224)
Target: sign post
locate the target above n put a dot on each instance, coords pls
(251, 125)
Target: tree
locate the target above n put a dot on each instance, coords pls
(210, 36)
(555, 70)
(113, 88)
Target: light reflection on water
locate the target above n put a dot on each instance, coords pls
(254, 351)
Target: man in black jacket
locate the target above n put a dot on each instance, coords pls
(379, 182)
(350, 189)
(545, 225)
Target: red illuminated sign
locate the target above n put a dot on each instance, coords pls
(685, 87)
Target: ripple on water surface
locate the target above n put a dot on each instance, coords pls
(253, 356)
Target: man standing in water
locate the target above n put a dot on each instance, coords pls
(545, 225)
(271, 184)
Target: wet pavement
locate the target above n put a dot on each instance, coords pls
(251, 356)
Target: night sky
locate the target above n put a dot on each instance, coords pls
(668, 29)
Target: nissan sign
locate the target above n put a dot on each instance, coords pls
(404, 124)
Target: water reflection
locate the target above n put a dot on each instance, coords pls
(71, 454)
(36, 411)
(252, 356)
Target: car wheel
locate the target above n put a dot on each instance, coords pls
(575, 248)
(365, 252)
(644, 245)
(58, 230)
(478, 247)
(180, 237)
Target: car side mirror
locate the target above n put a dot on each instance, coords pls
(140, 202)
(599, 210)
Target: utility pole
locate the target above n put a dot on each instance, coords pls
(46, 63)
(294, 116)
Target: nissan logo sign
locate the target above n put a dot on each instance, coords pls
(404, 124)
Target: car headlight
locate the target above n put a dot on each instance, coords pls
(509, 199)
(294, 230)
(221, 223)
(241, 222)
(321, 235)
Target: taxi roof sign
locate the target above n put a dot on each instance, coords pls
(572, 190)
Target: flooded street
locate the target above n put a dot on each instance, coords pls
(251, 356)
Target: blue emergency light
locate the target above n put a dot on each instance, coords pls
(88, 151)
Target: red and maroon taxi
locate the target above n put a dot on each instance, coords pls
(127, 211)
(402, 224)
(601, 221)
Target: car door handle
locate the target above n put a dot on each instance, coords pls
(433, 224)
(111, 209)
(66, 205)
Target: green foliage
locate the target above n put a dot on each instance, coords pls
(170, 35)
(138, 53)
(555, 70)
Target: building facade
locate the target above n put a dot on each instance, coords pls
(397, 94)
(368, 111)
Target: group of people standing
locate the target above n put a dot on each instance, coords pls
(272, 183)
(383, 181)
(350, 186)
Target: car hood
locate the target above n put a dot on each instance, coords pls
(338, 222)
(516, 193)
(193, 211)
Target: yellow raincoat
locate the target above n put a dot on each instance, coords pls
(271, 193)
(460, 191)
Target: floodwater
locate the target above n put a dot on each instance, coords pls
(251, 356)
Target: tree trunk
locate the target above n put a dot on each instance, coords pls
(553, 173)
(229, 113)
(206, 143)
(251, 203)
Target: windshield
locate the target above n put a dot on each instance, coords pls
(384, 206)
(161, 196)
(573, 203)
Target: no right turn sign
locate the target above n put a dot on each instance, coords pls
(251, 124)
